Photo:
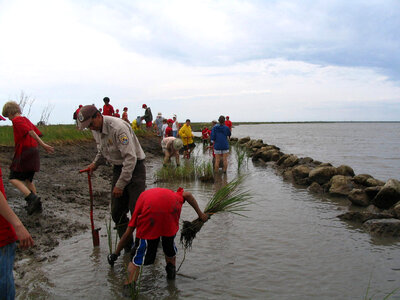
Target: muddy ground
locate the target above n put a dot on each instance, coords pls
(65, 198)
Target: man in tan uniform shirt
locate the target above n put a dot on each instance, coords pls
(117, 144)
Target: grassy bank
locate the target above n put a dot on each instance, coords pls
(55, 135)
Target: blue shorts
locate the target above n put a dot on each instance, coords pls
(7, 287)
(144, 252)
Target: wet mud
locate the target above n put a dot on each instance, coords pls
(65, 198)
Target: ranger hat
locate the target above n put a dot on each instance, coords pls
(85, 116)
(177, 144)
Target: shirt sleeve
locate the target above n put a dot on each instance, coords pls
(124, 143)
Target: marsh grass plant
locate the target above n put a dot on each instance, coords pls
(241, 157)
(205, 171)
(109, 237)
(134, 288)
(367, 297)
(231, 198)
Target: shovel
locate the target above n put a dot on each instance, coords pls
(95, 232)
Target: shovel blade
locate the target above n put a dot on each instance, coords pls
(96, 237)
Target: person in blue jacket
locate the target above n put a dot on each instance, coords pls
(220, 134)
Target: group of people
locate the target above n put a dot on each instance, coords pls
(155, 212)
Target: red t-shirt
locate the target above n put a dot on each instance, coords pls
(108, 110)
(205, 133)
(116, 115)
(229, 124)
(7, 232)
(168, 131)
(157, 213)
(26, 155)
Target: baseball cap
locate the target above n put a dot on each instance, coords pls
(85, 116)
(144, 105)
(170, 121)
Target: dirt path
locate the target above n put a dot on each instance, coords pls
(65, 198)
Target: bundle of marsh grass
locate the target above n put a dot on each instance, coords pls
(170, 173)
(229, 198)
(205, 172)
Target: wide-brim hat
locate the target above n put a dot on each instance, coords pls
(85, 115)
(177, 144)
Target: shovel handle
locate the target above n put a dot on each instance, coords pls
(84, 170)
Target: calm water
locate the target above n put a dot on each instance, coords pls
(291, 245)
(372, 148)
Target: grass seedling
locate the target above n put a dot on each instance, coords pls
(230, 198)
(205, 172)
(241, 157)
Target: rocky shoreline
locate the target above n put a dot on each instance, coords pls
(378, 202)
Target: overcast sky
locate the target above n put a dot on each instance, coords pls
(251, 60)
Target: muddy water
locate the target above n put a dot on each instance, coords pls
(290, 246)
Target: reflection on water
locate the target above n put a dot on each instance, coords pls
(291, 245)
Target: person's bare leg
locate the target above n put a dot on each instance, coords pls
(177, 159)
(217, 159)
(30, 185)
(171, 260)
(133, 271)
(20, 186)
(225, 161)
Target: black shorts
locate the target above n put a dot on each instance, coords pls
(189, 146)
(21, 175)
(144, 252)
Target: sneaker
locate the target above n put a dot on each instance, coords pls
(34, 205)
(171, 271)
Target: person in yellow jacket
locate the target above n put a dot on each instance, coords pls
(186, 135)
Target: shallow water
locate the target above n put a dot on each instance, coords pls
(291, 245)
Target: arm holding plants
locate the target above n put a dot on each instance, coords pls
(48, 148)
(193, 203)
(126, 236)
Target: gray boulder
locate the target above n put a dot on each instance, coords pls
(361, 179)
(372, 191)
(269, 155)
(371, 182)
(389, 227)
(388, 195)
(340, 185)
(244, 140)
(322, 174)
(300, 174)
(291, 161)
(359, 197)
(315, 188)
(396, 210)
(282, 159)
(345, 170)
(361, 217)
(305, 161)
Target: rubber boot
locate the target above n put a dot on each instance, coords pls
(34, 203)
(171, 271)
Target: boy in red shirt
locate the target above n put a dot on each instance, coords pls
(205, 135)
(168, 130)
(11, 230)
(26, 155)
(108, 110)
(117, 115)
(156, 216)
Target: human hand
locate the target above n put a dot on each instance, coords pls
(112, 258)
(92, 167)
(25, 239)
(117, 192)
(204, 217)
(48, 148)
